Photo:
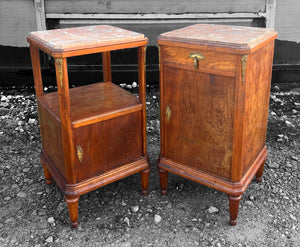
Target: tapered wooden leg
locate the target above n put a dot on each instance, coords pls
(163, 177)
(73, 210)
(47, 174)
(234, 202)
(259, 173)
(145, 180)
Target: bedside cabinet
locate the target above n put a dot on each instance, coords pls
(214, 87)
(96, 134)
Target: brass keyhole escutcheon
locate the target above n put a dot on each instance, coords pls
(196, 56)
(168, 113)
(79, 153)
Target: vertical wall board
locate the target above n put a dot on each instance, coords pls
(17, 19)
(287, 22)
(154, 6)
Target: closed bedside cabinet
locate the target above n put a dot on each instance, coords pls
(214, 87)
(95, 134)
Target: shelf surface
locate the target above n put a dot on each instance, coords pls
(91, 103)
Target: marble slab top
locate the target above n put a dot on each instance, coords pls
(78, 38)
(223, 35)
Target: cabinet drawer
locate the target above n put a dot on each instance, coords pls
(210, 61)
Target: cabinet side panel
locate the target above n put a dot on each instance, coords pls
(257, 103)
(108, 144)
(50, 130)
(198, 117)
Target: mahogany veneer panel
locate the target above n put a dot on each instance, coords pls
(108, 144)
(201, 97)
(214, 87)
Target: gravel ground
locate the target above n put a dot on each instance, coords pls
(34, 214)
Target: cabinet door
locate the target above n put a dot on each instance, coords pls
(198, 119)
(108, 144)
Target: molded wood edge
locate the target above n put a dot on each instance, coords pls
(226, 186)
(96, 181)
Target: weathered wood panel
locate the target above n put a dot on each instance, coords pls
(287, 22)
(154, 6)
(17, 19)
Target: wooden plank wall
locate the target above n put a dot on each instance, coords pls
(153, 17)
(287, 22)
(153, 6)
(17, 19)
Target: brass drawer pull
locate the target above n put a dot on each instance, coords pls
(196, 56)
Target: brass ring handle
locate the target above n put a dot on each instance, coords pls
(196, 56)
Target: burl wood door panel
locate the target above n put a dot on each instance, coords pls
(198, 115)
(108, 144)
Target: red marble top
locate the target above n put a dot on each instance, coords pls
(230, 36)
(77, 38)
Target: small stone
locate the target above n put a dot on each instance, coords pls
(147, 103)
(22, 194)
(7, 198)
(125, 244)
(249, 203)
(294, 111)
(169, 205)
(31, 121)
(123, 85)
(51, 220)
(26, 169)
(154, 97)
(293, 217)
(251, 198)
(297, 105)
(49, 239)
(45, 88)
(289, 124)
(129, 86)
(276, 88)
(3, 98)
(3, 111)
(5, 104)
(134, 84)
(134, 208)
(157, 219)
(295, 158)
(187, 229)
(127, 221)
(213, 209)
(273, 165)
